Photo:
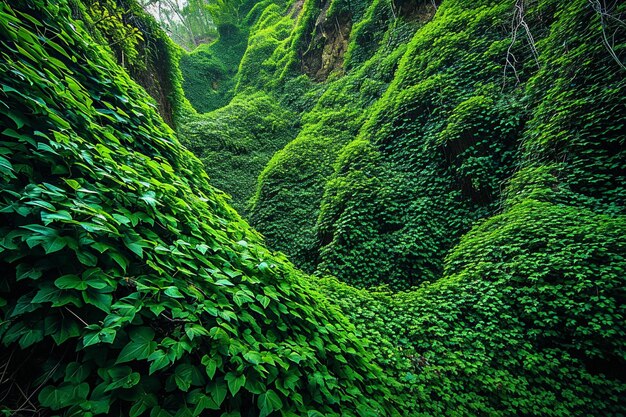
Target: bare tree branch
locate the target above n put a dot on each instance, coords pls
(518, 21)
(604, 13)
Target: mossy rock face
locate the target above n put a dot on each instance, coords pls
(130, 287)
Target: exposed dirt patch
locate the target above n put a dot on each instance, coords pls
(328, 46)
(416, 11)
(296, 8)
(156, 79)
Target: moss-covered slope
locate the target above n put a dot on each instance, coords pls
(210, 71)
(527, 320)
(428, 112)
(455, 125)
(236, 141)
(129, 287)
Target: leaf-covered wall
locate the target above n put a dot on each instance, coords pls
(470, 155)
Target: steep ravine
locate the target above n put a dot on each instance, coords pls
(129, 286)
(452, 173)
(470, 153)
(394, 128)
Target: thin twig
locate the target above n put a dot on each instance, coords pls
(27, 398)
(6, 366)
(509, 53)
(76, 315)
(41, 385)
(393, 11)
(518, 22)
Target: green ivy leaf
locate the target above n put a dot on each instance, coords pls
(142, 334)
(60, 215)
(183, 376)
(159, 412)
(235, 382)
(211, 365)
(135, 247)
(159, 360)
(24, 271)
(173, 292)
(145, 402)
(136, 350)
(62, 396)
(192, 330)
(224, 283)
(76, 372)
(30, 337)
(121, 380)
(91, 338)
(67, 282)
(268, 402)
(5, 166)
(205, 402)
(47, 294)
(119, 259)
(217, 391)
(264, 300)
(291, 380)
(63, 329)
(98, 299)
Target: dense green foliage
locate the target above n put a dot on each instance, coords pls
(240, 137)
(209, 71)
(452, 172)
(129, 287)
(440, 104)
(431, 157)
(472, 153)
(333, 122)
(527, 320)
(140, 46)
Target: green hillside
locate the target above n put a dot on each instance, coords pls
(423, 123)
(334, 208)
